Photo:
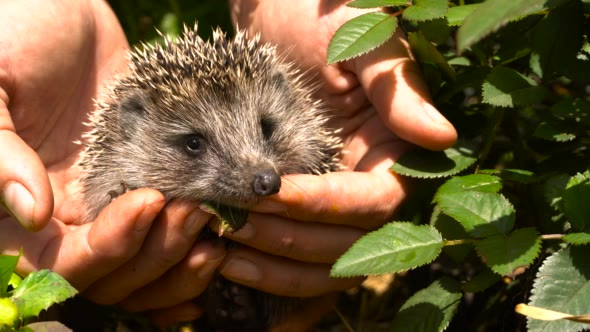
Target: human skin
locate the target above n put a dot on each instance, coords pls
(139, 250)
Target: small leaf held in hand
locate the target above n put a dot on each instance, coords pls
(482, 214)
(506, 87)
(396, 247)
(421, 163)
(430, 309)
(510, 254)
(423, 10)
(231, 218)
(361, 35)
(39, 290)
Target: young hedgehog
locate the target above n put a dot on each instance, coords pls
(215, 122)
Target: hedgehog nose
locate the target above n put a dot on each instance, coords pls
(266, 182)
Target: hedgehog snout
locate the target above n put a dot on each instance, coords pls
(266, 182)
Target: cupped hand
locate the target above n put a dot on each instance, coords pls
(380, 103)
(55, 57)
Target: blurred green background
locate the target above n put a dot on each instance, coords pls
(141, 18)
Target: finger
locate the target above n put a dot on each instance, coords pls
(395, 87)
(185, 281)
(91, 251)
(279, 276)
(171, 237)
(25, 190)
(306, 242)
(184, 312)
(360, 199)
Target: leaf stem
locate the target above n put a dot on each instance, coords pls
(552, 236)
(457, 242)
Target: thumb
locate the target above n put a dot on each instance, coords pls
(395, 87)
(25, 191)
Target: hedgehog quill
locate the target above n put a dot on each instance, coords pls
(215, 122)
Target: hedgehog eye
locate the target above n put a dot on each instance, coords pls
(194, 145)
(268, 127)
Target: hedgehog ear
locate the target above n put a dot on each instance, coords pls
(132, 109)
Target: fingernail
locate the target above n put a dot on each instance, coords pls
(19, 202)
(270, 206)
(209, 268)
(195, 221)
(240, 269)
(245, 233)
(435, 115)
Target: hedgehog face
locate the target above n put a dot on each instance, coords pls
(225, 144)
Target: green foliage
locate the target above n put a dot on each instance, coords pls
(430, 309)
(29, 296)
(396, 247)
(513, 77)
(563, 284)
(231, 218)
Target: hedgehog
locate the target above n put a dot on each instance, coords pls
(217, 122)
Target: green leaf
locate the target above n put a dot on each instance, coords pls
(361, 35)
(423, 10)
(396, 247)
(15, 280)
(450, 229)
(481, 281)
(562, 284)
(7, 266)
(482, 214)
(510, 254)
(427, 53)
(514, 175)
(577, 238)
(456, 15)
(232, 219)
(39, 290)
(430, 309)
(490, 15)
(421, 163)
(554, 132)
(471, 182)
(378, 3)
(553, 190)
(551, 52)
(8, 312)
(506, 87)
(576, 200)
(574, 109)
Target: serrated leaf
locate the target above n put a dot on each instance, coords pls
(450, 229)
(424, 10)
(456, 15)
(39, 290)
(7, 266)
(551, 53)
(490, 15)
(422, 163)
(576, 201)
(430, 309)
(506, 87)
(428, 53)
(553, 191)
(471, 182)
(551, 132)
(232, 219)
(562, 284)
(577, 238)
(396, 247)
(378, 3)
(360, 35)
(514, 175)
(510, 254)
(482, 214)
(481, 281)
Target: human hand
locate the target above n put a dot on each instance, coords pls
(381, 103)
(55, 57)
